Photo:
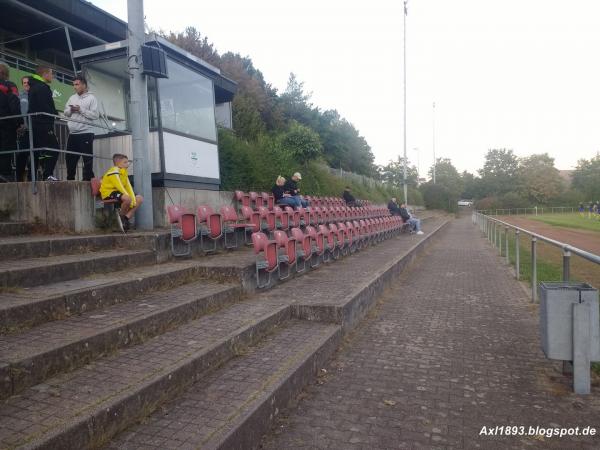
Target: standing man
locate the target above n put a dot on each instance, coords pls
(23, 135)
(83, 107)
(41, 101)
(291, 187)
(9, 106)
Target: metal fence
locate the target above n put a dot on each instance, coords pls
(535, 211)
(497, 232)
(366, 181)
(61, 132)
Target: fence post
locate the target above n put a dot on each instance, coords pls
(533, 269)
(500, 240)
(566, 265)
(506, 245)
(32, 166)
(517, 261)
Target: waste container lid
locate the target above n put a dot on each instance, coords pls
(561, 285)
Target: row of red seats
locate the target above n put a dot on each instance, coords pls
(324, 243)
(258, 199)
(210, 226)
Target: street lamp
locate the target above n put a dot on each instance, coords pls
(433, 141)
(404, 53)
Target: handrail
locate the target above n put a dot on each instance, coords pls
(566, 247)
(489, 226)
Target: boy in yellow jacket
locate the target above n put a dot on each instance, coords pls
(115, 185)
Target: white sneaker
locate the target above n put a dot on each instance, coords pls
(420, 232)
(52, 178)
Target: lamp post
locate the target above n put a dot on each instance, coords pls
(433, 141)
(404, 53)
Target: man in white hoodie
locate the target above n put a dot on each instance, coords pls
(82, 107)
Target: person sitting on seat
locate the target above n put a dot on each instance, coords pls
(115, 185)
(393, 207)
(281, 198)
(349, 198)
(413, 223)
(291, 187)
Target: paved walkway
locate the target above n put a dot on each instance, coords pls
(452, 348)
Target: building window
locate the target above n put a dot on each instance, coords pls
(187, 103)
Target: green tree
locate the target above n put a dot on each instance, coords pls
(500, 171)
(586, 178)
(445, 193)
(393, 173)
(539, 180)
(302, 142)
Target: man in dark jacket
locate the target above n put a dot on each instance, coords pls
(9, 106)
(393, 207)
(349, 198)
(414, 223)
(291, 187)
(41, 101)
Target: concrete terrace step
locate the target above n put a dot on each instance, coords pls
(235, 405)
(37, 246)
(27, 307)
(31, 357)
(52, 269)
(14, 228)
(87, 406)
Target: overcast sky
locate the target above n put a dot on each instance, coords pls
(518, 74)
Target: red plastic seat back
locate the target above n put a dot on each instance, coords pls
(268, 248)
(174, 213)
(204, 211)
(95, 186)
(188, 226)
(304, 240)
(228, 213)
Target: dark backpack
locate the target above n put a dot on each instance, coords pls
(10, 105)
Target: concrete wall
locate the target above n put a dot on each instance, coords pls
(188, 198)
(67, 206)
(60, 206)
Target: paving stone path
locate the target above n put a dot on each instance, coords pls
(452, 347)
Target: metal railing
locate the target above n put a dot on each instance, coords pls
(62, 137)
(495, 230)
(535, 211)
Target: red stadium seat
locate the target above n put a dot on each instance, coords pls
(211, 227)
(304, 250)
(267, 260)
(183, 229)
(286, 253)
(231, 225)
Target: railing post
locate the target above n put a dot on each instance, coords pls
(506, 245)
(500, 240)
(533, 269)
(517, 261)
(566, 265)
(31, 156)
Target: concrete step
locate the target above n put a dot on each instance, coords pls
(23, 308)
(51, 269)
(235, 405)
(15, 228)
(30, 357)
(38, 246)
(88, 406)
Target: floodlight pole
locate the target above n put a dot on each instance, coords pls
(138, 113)
(404, 53)
(433, 141)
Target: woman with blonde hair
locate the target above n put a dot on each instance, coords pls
(281, 198)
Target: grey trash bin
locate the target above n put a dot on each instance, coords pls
(556, 318)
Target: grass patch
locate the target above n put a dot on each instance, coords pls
(574, 220)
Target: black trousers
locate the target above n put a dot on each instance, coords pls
(43, 136)
(22, 158)
(80, 143)
(8, 141)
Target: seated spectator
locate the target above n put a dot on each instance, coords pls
(281, 198)
(291, 187)
(349, 198)
(115, 185)
(393, 207)
(414, 223)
